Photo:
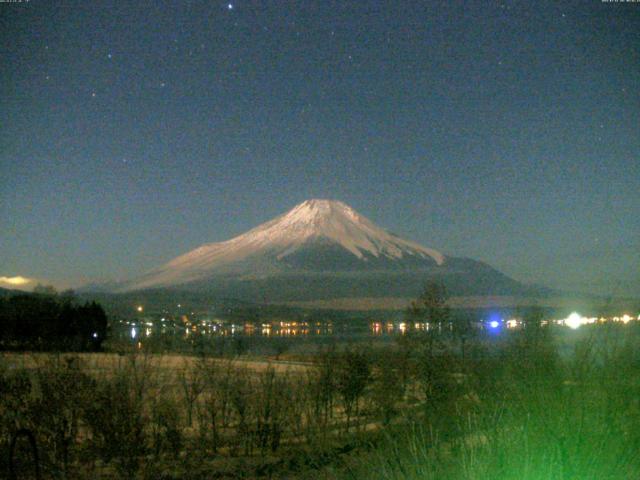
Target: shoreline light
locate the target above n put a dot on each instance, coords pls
(574, 321)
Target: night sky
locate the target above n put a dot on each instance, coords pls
(509, 132)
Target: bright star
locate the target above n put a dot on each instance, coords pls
(230, 6)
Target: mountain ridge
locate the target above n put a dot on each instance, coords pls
(316, 223)
(317, 250)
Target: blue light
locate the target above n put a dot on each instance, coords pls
(494, 322)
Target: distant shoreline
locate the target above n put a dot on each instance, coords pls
(398, 303)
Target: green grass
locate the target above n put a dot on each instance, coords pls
(534, 416)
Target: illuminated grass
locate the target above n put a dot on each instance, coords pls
(536, 417)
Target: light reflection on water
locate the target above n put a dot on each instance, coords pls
(193, 325)
(391, 328)
(185, 328)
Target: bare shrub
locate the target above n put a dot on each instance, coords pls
(214, 411)
(387, 385)
(352, 377)
(272, 399)
(193, 385)
(166, 425)
(64, 390)
(117, 418)
(240, 390)
(15, 402)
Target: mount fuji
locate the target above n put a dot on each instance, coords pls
(320, 249)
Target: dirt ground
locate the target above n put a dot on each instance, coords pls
(108, 361)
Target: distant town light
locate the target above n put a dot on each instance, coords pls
(133, 332)
(140, 308)
(494, 322)
(573, 321)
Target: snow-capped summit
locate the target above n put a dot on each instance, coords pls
(316, 235)
(336, 222)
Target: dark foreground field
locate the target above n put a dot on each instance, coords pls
(529, 404)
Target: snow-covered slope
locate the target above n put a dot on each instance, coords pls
(318, 225)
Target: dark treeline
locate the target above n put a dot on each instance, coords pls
(50, 321)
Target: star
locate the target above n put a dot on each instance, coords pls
(93, 94)
(109, 56)
(230, 6)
